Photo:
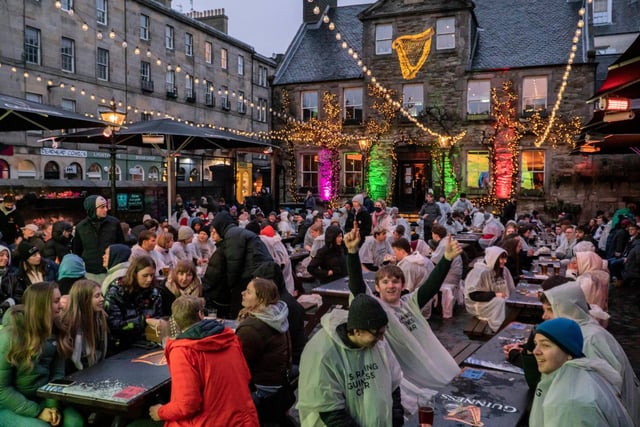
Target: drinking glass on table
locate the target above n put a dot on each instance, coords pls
(426, 406)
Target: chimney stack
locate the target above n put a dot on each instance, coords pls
(212, 17)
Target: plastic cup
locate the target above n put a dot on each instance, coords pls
(543, 269)
(426, 406)
(556, 269)
(165, 271)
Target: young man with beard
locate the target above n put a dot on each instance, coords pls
(94, 234)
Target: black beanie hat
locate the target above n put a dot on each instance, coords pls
(365, 312)
(25, 250)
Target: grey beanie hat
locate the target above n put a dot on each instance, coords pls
(365, 312)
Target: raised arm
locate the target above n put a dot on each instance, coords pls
(431, 286)
(354, 269)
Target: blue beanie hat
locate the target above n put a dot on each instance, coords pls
(565, 333)
(71, 266)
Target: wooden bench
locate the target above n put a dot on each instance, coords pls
(312, 315)
(462, 350)
(478, 329)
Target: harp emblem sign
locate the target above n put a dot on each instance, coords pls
(413, 51)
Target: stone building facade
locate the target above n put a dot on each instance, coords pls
(154, 62)
(475, 47)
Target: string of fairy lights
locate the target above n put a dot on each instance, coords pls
(565, 77)
(443, 140)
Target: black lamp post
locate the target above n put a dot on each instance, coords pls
(110, 114)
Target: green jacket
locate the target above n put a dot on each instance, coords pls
(18, 385)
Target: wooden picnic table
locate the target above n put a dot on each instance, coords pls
(490, 354)
(501, 398)
(524, 302)
(125, 384)
(337, 292)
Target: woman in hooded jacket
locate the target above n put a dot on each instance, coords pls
(116, 261)
(32, 268)
(330, 263)
(7, 281)
(593, 279)
(263, 331)
(487, 287)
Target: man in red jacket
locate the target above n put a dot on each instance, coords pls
(209, 376)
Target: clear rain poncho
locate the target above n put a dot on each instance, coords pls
(582, 392)
(568, 301)
(426, 365)
(334, 377)
(481, 278)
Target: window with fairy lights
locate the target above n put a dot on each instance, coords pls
(352, 171)
(534, 95)
(309, 171)
(532, 170)
(478, 170)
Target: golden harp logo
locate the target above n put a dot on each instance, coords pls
(413, 51)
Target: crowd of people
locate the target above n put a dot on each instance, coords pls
(74, 294)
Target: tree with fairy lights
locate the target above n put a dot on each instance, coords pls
(504, 147)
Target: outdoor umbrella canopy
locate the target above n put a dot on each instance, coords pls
(18, 114)
(176, 136)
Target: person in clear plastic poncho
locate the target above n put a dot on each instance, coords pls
(569, 301)
(348, 374)
(487, 287)
(573, 390)
(426, 365)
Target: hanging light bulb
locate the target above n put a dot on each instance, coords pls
(85, 26)
(178, 69)
(338, 36)
(38, 78)
(72, 88)
(326, 19)
(25, 74)
(82, 92)
(136, 50)
(70, 12)
(112, 34)
(316, 10)
(99, 35)
(148, 53)
(58, 4)
(332, 26)
(124, 44)
(158, 61)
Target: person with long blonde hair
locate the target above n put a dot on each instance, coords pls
(86, 322)
(32, 348)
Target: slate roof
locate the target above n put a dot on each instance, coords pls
(522, 33)
(525, 33)
(315, 55)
